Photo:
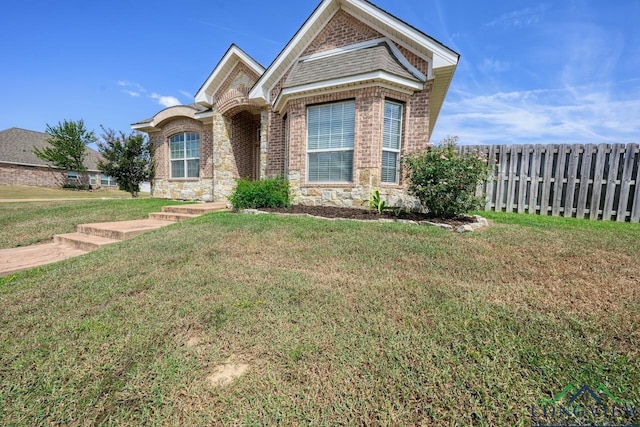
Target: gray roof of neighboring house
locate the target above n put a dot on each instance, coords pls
(352, 63)
(16, 146)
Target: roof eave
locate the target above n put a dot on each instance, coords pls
(381, 78)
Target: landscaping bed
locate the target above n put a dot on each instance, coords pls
(363, 214)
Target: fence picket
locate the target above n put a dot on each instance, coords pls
(547, 179)
(511, 183)
(635, 209)
(614, 161)
(523, 178)
(625, 183)
(585, 180)
(534, 173)
(594, 209)
(491, 183)
(536, 186)
(558, 182)
(572, 172)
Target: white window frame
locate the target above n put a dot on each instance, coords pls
(392, 150)
(184, 159)
(110, 181)
(331, 150)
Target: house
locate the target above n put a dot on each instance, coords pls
(20, 166)
(354, 90)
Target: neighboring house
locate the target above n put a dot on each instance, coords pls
(20, 166)
(354, 90)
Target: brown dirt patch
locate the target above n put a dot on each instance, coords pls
(364, 214)
(224, 374)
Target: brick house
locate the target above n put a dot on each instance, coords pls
(20, 166)
(353, 90)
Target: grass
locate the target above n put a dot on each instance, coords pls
(29, 192)
(339, 322)
(27, 223)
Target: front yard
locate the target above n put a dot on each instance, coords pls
(336, 322)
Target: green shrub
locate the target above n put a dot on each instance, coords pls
(443, 180)
(264, 193)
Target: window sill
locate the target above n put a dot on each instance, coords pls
(328, 184)
(184, 179)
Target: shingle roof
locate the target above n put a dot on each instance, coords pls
(16, 146)
(375, 58)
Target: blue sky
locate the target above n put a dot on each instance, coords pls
(563, 71)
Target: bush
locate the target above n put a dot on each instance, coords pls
(444, 181)
(264, 193)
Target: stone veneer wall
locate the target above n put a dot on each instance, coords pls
(182, 190)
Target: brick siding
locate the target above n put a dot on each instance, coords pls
(39, 176)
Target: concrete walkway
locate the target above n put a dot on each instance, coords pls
(93, 236)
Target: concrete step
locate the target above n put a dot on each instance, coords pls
(23, 258)
(196, 209)
(122, 230)
(170, 216)
(82, 241)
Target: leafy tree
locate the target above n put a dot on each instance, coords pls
(445, 181)
(67, 151)
(127, 158)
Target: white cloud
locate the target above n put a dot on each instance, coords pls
(494, 66)
(131, 88)
(165, 101)
(519, 18)
(586, 114)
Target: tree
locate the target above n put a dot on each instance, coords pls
(127, 158)
(68, 141)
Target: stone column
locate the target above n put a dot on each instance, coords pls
(264, 143)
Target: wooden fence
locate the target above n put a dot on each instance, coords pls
(583, 181)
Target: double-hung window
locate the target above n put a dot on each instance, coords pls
(391, 142)
(330, 139)
(185, 155)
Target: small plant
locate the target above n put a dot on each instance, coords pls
(264, 193)
(376, 203)
(445, 181)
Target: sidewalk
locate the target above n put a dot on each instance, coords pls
(93, 236)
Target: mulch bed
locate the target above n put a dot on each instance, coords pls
(363, 214)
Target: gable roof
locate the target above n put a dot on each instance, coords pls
(444, 60)
(16, 147)
(229, 60)
(376, 61)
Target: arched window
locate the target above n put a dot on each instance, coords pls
(185, 155)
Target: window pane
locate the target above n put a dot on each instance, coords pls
(334, 166)
(389, 167)
(177, 169)
(331, 126)
(193, 145)
(193, 167)
(392, 125)
(177, 147)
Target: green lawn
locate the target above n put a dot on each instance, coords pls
(30, 192)
(338, 322)
(27, 223)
